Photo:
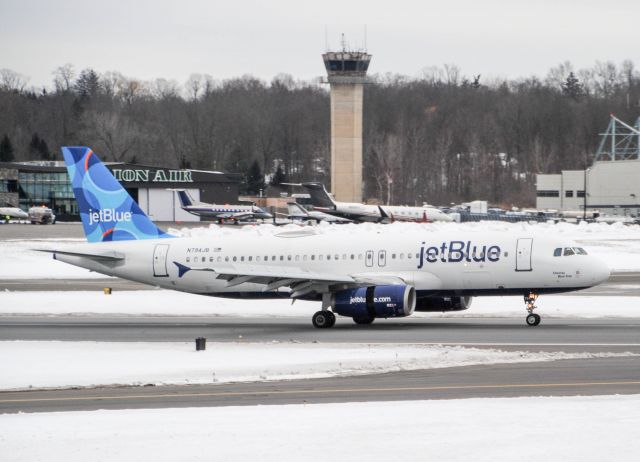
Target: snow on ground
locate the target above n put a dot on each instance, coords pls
(158, 302)
(617, 244)
(18, 260)
(65, 364)
(580, 429)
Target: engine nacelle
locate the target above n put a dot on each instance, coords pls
(443, 303)
(393, 301)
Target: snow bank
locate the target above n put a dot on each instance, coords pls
(158, 302)
(64, 364)
(580, 429)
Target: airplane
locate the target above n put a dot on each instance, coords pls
(220, 212)
(298, 212)
(323, 202)
(364, 274)
(9, 212)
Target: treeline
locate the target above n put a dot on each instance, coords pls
(439, 138)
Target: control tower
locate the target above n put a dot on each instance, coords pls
(347, 71)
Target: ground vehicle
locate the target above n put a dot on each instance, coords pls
(41, 215)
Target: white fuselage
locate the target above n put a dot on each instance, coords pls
(434, 262)
(13, 212)
(363, 212)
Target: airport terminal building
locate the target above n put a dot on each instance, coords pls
(27, 184)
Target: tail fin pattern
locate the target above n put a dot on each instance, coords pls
(107, 210)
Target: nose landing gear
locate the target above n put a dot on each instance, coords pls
(532, 318)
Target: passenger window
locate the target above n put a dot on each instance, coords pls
(289, 257)
(344, 256)
(235, 258)
(250, 258)
(226, 258)
(359, 256)
(320, 257)
(401, 256)
(353, 256)
(409, 255)
(273, 258)
(210, 259)
(187, 259)
(258, 258)
(393, 256)
(337, 257)
(304, 258)
(297, 257)
(241, 258)
(281, 257)
(219, 258)
(328, 257)
(568, 251)
(313, 257)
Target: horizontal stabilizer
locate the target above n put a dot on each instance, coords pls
(104, 256)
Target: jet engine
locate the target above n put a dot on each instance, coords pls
(392, 301)
(443, 303)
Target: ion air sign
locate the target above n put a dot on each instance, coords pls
(131, 175)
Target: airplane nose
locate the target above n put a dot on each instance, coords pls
(601, 271)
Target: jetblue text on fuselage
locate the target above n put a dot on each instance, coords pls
(458, 251)
(107, 216)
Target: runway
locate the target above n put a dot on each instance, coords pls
(595, 376)
(593, 334)
(559, 378)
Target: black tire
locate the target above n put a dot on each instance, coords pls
(363, 319)
(533, 319)
(332, 318)
(322, 320)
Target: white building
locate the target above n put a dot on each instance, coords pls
(612, 183)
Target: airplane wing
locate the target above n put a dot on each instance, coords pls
(302, 282)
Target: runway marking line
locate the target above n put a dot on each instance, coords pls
(321, 392)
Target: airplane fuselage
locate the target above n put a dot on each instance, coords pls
(434, 262)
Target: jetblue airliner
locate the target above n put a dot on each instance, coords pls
(365, 275)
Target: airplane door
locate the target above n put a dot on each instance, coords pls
(523, 254)
(160, 260)
(369, 258)
(382, 258)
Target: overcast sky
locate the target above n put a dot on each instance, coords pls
(173, 39)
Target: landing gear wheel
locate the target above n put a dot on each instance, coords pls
(363, 320)
(533, 319)
(323, 319)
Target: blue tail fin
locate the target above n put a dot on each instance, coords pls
(107, 210)
(185, 200)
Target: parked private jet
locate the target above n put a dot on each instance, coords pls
(298, 212)
(9, 212)
(364, 274)
(323, 202)
(220, 212)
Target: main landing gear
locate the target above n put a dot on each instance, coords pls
(532, 318)
(323, 319)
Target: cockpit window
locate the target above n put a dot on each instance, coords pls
(557, 252)
(579, 251)
(568, 251)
